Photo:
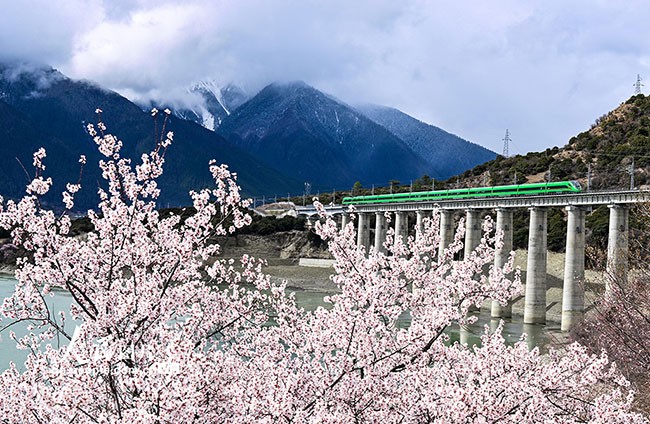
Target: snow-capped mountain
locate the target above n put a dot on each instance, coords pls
(41, 107)
(287, 134)
(216, 103)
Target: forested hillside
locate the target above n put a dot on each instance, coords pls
(617, 142)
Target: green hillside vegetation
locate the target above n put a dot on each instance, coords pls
(615, 142)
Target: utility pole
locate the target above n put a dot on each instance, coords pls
(506, 144)
(631, 171)
(306, 192)
(372, 191)
(433, 184)
(411, 189)
(637, 85)
(589, 177)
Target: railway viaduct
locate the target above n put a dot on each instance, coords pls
(576, 205)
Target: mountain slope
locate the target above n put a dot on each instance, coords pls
(296, 128)
(47, 109)
(617, 142)
(447, 153)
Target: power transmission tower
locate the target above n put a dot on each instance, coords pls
(506, 143)
(638, 84)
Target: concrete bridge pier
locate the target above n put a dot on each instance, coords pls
(446, 230)
(401, 226)
(573, 291)
(363, 230)
(535, 298)
(419, 223)
(380, 232)
(472, 236)
(344, 220)
(503, 225)
(617, 245)
(473, 231)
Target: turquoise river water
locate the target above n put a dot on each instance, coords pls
(513, 329)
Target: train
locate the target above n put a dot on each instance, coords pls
(468, 193)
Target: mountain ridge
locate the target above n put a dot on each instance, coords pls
(600, 157)
(286, 135)
(322, 140)
(437, 146)
(57, 110)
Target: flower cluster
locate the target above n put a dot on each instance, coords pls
(164, 331)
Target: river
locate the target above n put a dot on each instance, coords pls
(310, 300)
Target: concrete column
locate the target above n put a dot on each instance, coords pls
(401, 226)
(472, 231)
(573, 291)
(446, 230)
(363, 232)
(617, 245)
(380, 232)
(419, 224)
(535, 335)
(504, 225)
(344, 220)
(464, 335)
(535, 301)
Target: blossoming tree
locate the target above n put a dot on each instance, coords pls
(160, 331)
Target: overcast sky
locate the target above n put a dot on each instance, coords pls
(543, 69)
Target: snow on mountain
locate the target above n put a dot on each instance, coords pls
(215, 103)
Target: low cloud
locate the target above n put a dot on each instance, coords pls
(545, 70)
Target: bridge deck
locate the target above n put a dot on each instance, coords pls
(591, 198)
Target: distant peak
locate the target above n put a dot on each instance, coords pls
(291, 87)
(291, 84)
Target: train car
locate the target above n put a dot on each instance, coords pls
(468, 193)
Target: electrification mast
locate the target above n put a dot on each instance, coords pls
(506, 144)
(638, 84)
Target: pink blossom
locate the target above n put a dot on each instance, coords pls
(162, 329)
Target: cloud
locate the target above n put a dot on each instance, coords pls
(545, 70)
(44, 31)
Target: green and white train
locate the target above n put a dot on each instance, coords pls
(468, 193)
